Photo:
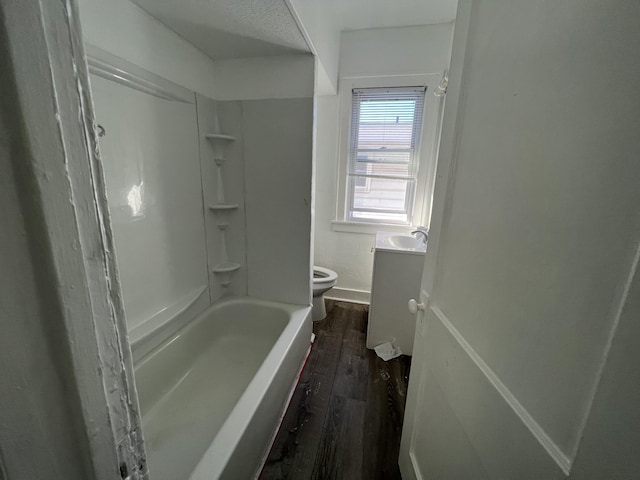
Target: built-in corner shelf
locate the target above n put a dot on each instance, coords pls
(219, 143)
(223, 271)
(223, 207)
(226, 267)
(220, 136)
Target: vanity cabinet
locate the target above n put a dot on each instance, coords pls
(397, 274)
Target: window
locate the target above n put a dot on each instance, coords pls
(384, 140)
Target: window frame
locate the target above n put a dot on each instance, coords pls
(425, 153)
(411, 178)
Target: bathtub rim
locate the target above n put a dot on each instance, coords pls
(216, 458)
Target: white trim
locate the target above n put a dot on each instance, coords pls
(367, 228)
(110, 67)
(419, 401)
(619, 309)
(62, 177)
(426, 153)
(351, 295)
(536, 430)
(359, 98)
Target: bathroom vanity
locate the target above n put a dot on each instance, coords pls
(397, 270)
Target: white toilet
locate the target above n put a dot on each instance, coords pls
(323, 280)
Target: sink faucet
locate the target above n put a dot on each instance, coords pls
(425, 234)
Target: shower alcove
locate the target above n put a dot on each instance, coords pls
(218, 317)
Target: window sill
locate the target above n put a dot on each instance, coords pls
(368, 228)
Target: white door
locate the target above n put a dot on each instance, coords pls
(524, 366)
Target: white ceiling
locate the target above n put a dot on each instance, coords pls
(231, 28)
(255, 28)
(361, 14)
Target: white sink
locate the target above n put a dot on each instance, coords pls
(400, 242)
(405, 242)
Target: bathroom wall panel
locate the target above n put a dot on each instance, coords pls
(230, 118)
(152, 173)
(278, 170)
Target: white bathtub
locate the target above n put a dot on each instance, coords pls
(213, 393)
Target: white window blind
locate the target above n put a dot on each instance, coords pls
(383, 145)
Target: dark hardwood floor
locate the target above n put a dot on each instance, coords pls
(345, 418)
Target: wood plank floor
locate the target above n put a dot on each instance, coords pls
(345, 417)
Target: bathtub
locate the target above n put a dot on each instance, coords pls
(212, 394)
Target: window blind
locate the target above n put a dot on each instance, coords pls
(383, 145)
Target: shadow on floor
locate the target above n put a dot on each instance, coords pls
(345, 417)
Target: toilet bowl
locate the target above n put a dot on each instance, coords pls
(323, 280)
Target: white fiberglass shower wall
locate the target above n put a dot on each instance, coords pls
(194, 221)
(152, 170)
(162, 177)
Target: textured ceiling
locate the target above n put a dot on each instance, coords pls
(255, 28)
(231, 28)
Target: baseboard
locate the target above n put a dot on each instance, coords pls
(349, 295)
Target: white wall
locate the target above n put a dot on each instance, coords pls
(396, 51)
(320, 30)
(283, 76)
(122, 28)
(277, 150)
(364, 53)
(152, 173)
(536, 238)
(347, 254)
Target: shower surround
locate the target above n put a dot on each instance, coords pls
(218, 312)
